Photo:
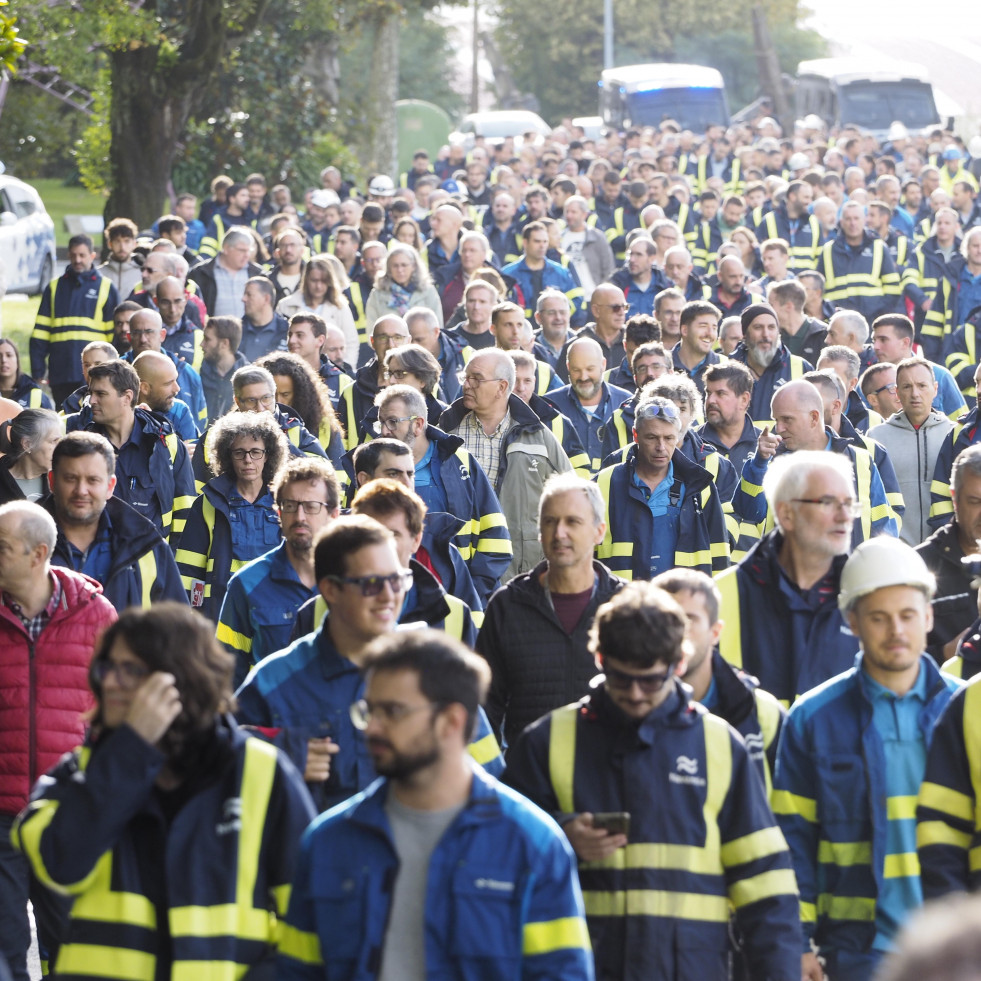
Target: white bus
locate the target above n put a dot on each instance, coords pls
(646, 95)
(868, 93)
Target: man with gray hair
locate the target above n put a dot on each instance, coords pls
(792, 573)
(847, 365)
(512, 445)
(449, 480)
(425, 330)
(221, 280)
(535, 630)
(50, 619)
(848, 328)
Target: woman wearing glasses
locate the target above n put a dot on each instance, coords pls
(234, 519)
(175, 834)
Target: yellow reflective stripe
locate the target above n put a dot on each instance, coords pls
(784, 802)
(902, 865)
(454, 622)
(808, 912)
(492, 520)
(662, 855)
(484, 750)
(718, 774)
(776, 882)
(766, 841)
(95, 333)
(240, 642)
(901, 808)
(113, 962)
(300, 945)
(227, 919)
(731, 641)
(845, 853)
(656, 902)
(858, 908)
(212, 970)
(972, 741)
(863, 477)
(494, 546)
(567, 933)
(954, 667)
(562, 755)
(147, 565)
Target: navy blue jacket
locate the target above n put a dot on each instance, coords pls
(589, 428)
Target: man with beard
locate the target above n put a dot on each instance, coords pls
(399, 874)
(260, 605)
(770, 363)
(728, 427)
(588, 401)
(159, 389)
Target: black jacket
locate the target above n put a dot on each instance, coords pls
(203, 275)
(536, 666)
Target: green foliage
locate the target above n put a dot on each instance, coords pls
(12, 45)
(91, 152)
(37, 133)
(562, 66)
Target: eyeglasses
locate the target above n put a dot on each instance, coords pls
(149, 332)
(398, 582)
(624, 681)
(309, 507)
(615, 307)
(656, 411)
(473, 380)
(386, 713)
(389, 338)
(254, 454)
(265, 400)
(391, 422)
(398, 373)
(128, 674)
(890, 388)
(832, 504)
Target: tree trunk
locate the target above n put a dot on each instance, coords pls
(146, 120)
(379, 151)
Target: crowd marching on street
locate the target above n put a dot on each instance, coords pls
(559, 560)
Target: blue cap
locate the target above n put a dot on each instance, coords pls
(454, 187)
(952, 153)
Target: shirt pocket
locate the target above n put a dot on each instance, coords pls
(340, 914)
(843, 796)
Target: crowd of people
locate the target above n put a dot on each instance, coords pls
(587, 531)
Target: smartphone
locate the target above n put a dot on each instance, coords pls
(616, 822)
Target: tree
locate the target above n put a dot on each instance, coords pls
(12, 45)
(555, 49)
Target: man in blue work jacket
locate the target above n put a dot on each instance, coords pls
(851, 760)
(664, 809)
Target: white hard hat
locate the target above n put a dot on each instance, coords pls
(812, 121)
(324, 198)
(381, 185)
(799, 161)
(882, 562)
(897, 131)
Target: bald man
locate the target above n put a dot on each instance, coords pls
(588, 400)
(797, 409)
(445, 224)
(147, 333)
(159, 390)
(184, 333)
(608, 306)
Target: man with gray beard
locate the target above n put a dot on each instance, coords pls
(771, 364)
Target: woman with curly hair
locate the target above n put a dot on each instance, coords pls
(320, 293)
(404, 283)
(300, 388)
(234, 519)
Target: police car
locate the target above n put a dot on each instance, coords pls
(27, 237)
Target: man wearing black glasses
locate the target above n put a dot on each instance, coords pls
(609, 309)
(260, 605)
(300, 697)
(664, 809)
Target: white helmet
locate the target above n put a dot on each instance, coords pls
(882, 562)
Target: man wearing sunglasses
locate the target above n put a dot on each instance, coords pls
(664, 808)
(609, 309)
(260, 604)
(300, 697)
(662, 510)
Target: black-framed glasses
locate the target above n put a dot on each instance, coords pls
(387, 713)
(649, 684)
(398, 582)
(615, 307)
(263, 400)
(128, 674)
(890, 388)
(309, 507)
(398, 373)
(256, 453)
(391, 422)
(832, 504)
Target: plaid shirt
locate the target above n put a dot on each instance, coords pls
(34, 625)
(486, 450)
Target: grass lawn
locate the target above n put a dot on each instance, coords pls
(60, 200)
(17, 320)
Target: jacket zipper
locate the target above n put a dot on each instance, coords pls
(32, 723)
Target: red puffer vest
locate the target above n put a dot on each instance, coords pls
(44, 688)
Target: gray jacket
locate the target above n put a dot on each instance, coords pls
(914, 454)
